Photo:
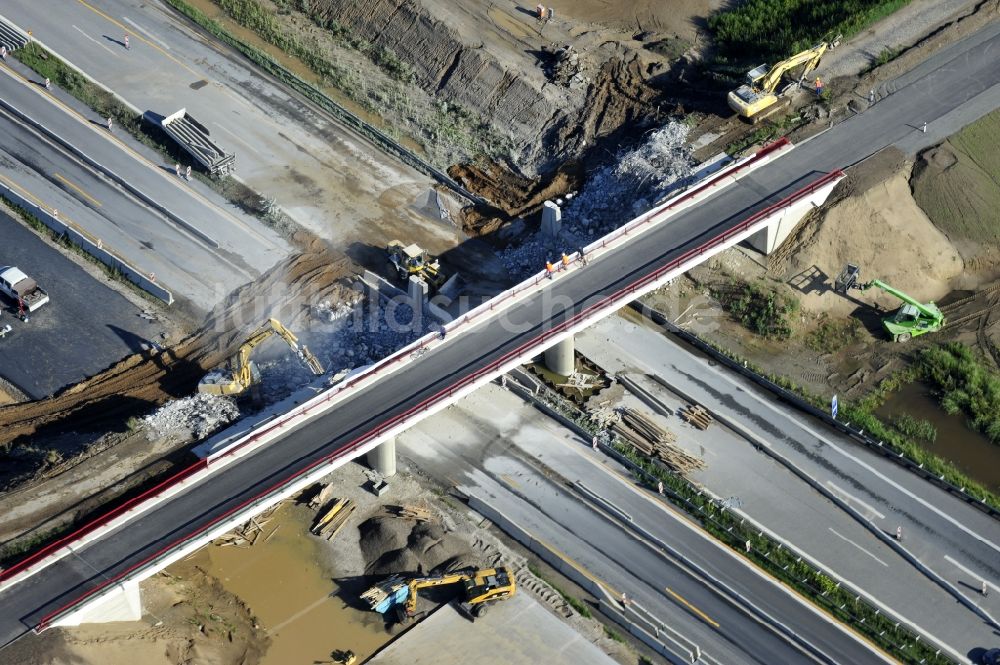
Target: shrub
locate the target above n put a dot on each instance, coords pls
(964, 385)
(762, 311)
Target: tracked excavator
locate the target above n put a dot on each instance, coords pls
(912, 319)
(242, 373)
(411, 259)
(756, 99)
(481, 588)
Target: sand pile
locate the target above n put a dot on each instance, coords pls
(390, 545)
(872, 221)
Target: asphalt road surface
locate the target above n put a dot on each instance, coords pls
(245, 247)
(937, 93)
(85, 327)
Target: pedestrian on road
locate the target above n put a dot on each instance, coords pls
(583, 257)
(819, 87)
(177, 169)
(110, 124)
(127, 47)
(48, 84)
(187, 174)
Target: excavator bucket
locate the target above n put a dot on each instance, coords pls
(311, 361)
(847, 279)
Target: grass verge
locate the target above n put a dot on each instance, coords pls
(761, 310)
(963, 384)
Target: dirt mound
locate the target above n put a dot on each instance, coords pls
(141, 381)
(873, 222)
(391, 545)
(197, 621)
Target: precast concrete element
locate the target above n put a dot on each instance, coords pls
(560, 357)
(551, 219)
(382, 458)
(11, 37)
(768, 239)
(194, 138)
(416, 289)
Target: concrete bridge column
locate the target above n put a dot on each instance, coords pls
(382, 458)
(560, 358)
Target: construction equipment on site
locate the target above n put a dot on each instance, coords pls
(242, 373)
(757, 95)
(480, 589)
(413, 260)
(912, 319)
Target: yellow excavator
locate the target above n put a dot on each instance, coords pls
(757, 95)
(480, 589)
(411, 259)
(242, 374)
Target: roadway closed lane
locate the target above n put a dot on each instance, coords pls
(940, 90)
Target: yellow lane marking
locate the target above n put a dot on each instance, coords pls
(691, 607)
(13, 185)
(580, 569)
(130, 31)
(78, 189)
(510, 481)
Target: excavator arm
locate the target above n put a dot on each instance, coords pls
(242, 368)
(810, 58)
(930, 311)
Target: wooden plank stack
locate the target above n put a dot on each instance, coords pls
(696, 415)
(413, 513)
(249, 533)
(652, 440)
(332, 518)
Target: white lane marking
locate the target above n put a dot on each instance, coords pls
(95, 41)
(850, 497)
(846, 539)
(975, 576)
(146, 32)
(233, 134)
(863, 465)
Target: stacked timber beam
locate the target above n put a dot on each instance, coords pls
(249, 533)
(696, 415)
(654, 441)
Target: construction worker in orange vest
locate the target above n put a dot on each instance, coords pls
(565, 261)
(549, 268)
(819, 87)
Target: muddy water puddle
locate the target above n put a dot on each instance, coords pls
(300, 69)
(969, 450)
(291, 595)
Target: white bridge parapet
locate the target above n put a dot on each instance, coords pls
(88, 606)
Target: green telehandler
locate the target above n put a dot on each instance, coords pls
(913, 318)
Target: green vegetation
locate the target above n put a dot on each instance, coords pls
(886, 55)
(773, 557)
(774, 29)
(761, 310)
(914, 428)
(957, 186)
(964, 385)
(767, 131)
(830, 336)
(613, 634)
(577, 604)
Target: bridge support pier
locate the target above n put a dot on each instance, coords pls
(382, 458)
(561, 358)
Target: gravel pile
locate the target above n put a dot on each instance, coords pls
(391, 545)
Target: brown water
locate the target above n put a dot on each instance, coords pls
(291, 595)
(300, 69)
(967, 449)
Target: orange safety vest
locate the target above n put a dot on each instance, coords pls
(565, 260)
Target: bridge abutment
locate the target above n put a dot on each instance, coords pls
(560, 358)
(122, 603)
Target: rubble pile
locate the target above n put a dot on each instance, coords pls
(613, 195)
(196, 416)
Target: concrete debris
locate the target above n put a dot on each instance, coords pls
(612, 196)
(196, 416)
